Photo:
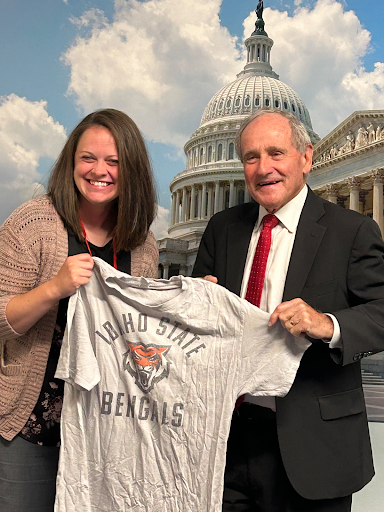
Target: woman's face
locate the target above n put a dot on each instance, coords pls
(96, 167)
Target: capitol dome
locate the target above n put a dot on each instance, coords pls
(257, 86)
(248, 93)
(214, 176)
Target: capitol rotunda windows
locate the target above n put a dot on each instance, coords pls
(231, 151)
(219, 152)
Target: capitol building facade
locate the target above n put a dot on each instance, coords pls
(348, 163)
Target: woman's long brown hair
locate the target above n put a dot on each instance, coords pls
(136, 204)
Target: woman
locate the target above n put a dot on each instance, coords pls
(100, 202)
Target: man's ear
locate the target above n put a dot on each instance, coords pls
(308, 154)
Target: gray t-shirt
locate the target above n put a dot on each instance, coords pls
(153, 369)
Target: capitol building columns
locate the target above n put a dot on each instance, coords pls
(199, 204)
(165, 270)
(184, 205)
(348, 165)
(210, 201)
(217, 197)
(378, 179)
(232, 193)
(331, 193)
(363, 193)
(177, 207)
(173, 207)
(346, 171)
(193, 202)
(247, 196)
(354, 193)
(202, 200)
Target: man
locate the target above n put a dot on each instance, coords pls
(324, 279)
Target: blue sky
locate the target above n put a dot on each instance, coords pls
(161, 61)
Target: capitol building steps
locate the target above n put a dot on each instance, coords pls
(370, 379)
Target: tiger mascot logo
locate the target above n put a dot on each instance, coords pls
(147, 363)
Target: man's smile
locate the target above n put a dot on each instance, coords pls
(267, 183)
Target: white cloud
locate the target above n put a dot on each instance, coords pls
(319, 53)
(27, 133)
(161, 223)
(367, 86)
(94, 18)
(160, 61)
(175, 154)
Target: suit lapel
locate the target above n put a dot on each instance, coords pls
(308, 238)
(239, 235)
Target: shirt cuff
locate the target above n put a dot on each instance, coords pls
(336, 341)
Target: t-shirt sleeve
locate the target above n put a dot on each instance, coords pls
(77, 363)
(270, 355)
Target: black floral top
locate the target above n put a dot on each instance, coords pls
(43, 425)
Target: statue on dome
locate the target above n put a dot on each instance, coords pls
(259, 10)
(259, 25)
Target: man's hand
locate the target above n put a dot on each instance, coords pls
(300, 320)
(212, 279)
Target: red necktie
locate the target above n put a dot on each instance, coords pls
(259, 264)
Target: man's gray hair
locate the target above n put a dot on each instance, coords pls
(299, 137)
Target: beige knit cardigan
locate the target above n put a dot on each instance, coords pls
(33, 248)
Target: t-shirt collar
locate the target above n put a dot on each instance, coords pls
(289, 214)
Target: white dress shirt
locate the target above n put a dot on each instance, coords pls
(283, 237)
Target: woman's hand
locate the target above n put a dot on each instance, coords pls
(75, 272)
(23, 311)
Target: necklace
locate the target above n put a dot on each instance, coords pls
(89, 249)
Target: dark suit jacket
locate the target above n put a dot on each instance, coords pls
(337, 267)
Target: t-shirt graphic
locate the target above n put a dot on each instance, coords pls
(153, 369)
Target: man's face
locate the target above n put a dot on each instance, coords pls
(274, 169)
